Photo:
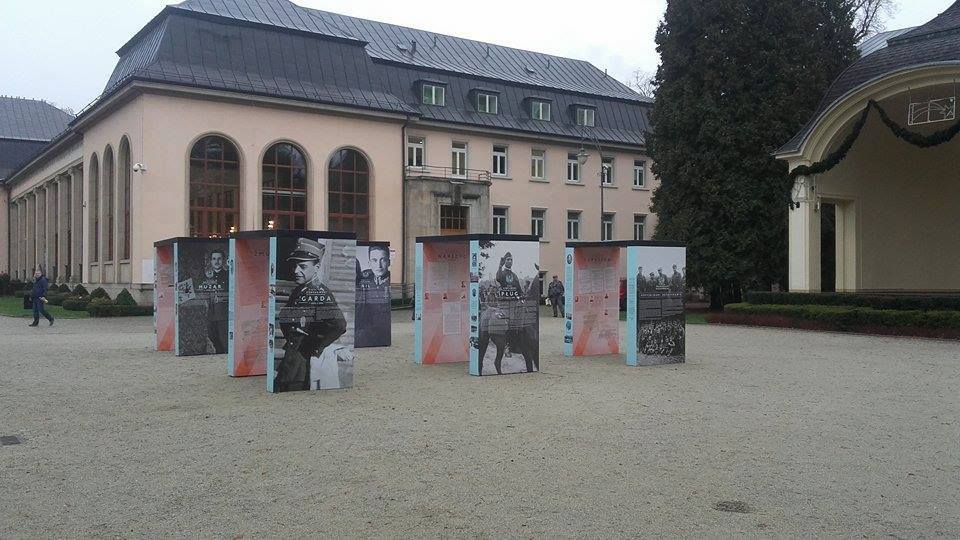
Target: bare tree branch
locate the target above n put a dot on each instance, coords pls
(870, 16)
(642, 81)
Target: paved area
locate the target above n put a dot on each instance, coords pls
(818, 434)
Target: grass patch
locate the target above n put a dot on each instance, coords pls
(13, 307)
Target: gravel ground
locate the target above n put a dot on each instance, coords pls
(817, 434)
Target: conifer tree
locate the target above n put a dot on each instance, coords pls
(737, 79)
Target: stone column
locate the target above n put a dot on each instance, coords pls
(12, 238)
(804, 238)
(30, 233)
(76, 233)
(63, 227)
(49, 223)
(21, 236)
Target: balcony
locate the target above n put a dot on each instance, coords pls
(448, 173)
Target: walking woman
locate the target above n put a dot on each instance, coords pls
(39, 297)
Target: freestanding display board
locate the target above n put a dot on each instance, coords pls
(477, 301)
(292, 309)
(373, 294)
(164, 314)
(655, 280)
(202, 285)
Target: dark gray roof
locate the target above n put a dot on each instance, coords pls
(13, 153)
(878, 41)
(30, 119)
(201, 43)
(937, 41)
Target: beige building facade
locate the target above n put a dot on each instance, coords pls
(137, 167)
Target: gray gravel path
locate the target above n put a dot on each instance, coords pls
(819, 434)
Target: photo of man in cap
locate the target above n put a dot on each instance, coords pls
(310, 321)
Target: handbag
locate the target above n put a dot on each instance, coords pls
(27, 301)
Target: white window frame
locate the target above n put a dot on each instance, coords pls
(607, 225)
(574, 224)
(639, 173)
(538, 164)
(586, 117)
(458, 159)
(500, 159)
(574, 172)
(503, 219)
(416, 145)
(487, 103)
(538, 222)
(642, 223)
(606, 171)
(435, 91)
(540, 110)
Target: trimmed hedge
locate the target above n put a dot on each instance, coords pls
(79, 290)
(124, 299)
(64, 288)
(76, 303)
(104, 307)
(57, 298)
(847, 317)
(875, 301)
(99, 293)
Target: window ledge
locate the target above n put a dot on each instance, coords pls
(540, 180)
(501, 177)
(544, 241)
(635, 188)
(569, 183)
(610, 187)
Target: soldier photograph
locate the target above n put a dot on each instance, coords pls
(203, 287)
(310, 321)
(215, 288)
(373, 296)
(659, 314)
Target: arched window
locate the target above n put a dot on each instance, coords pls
(109, 181)
(349, 193)
(284, 188)
(94, 211)
(124, 199)
(214, 187)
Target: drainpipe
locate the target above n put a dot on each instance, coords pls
(6, 188)
(403, 208)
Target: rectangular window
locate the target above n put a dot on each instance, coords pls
(639, 223)
(415, 147)
(453, 219)
(607, 230)
(606, 171)
(487, 103)
(540, 110)
(458, 159)
(499, 220)
(499, 160)
(538, 164)
(538, 218)
(573, 168)
(639, 173)
(586, 116)
(573, 225)
(433, 94)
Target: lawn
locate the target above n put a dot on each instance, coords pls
(13, 307)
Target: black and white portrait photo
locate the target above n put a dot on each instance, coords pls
(509, 289)
(373, 295)
(203, 286)
(315, 290)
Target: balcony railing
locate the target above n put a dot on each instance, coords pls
(449, 173)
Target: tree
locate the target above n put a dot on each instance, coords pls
(870, 16)
(643, 82)
(737, 79)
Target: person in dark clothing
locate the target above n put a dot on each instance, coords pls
(555, 292)
(216, 284)
(310, 321)
(39, 297)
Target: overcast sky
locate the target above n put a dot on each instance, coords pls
(64, 50)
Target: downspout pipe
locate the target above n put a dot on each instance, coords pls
(403, 208)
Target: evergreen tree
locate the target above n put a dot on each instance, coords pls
(737, 79)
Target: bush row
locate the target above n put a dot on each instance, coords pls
(875, 301)
(98, 303)
(847, 317)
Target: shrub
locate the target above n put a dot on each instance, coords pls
(64, 288)
(124, 299)
(875, 301)
(847, 317)
(4, 282)
(57, 298)
(79, 290)
(20, 294)
(99, 293)
(13, 286)
(76, 303)
(104, 307)
(100, 306)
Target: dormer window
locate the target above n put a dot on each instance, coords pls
(433, 94)
(586, 116)
(487, 102)
(540, 110)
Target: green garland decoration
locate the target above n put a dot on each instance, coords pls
(916, 139)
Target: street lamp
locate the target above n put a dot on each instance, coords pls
(582, 156)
